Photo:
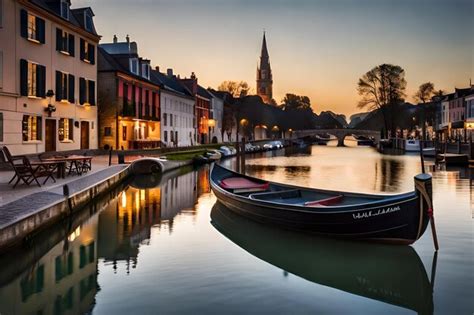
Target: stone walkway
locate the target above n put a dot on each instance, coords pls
(8, 194)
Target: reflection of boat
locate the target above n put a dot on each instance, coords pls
(393, 275)
(363, 140)
(401, 218)
(322, 139)
(412, 145)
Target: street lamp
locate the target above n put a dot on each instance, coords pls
(51, 108)
(211, 123)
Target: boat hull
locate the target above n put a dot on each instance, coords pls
(400, 221)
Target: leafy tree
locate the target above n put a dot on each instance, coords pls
(383, 88)
(295, 102)
(236, 89)
(439, 93)
(228, 121)
(424, 93)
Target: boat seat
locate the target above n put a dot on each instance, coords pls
(324, 202)
(243, 185)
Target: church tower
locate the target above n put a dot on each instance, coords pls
(264, 75)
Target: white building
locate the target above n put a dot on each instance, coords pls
(177, 110)
(48, 76)
(217, 114)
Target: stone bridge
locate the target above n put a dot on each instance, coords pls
(340, 134)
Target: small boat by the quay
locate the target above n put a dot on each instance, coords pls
(363, 140)
(396, 219)
(208, 157)
(390, 274)
(412, 145)
(429, 152)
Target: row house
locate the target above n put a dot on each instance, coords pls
(456, 114)
(129, 111)
(177, 110)
(202, 108)
(217, 115)
(48, 76)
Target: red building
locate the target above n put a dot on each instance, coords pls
(202, 108)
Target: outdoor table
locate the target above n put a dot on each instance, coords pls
(73, 160)
(61, 166)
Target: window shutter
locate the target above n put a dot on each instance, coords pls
(23, 77)
(61, 129)
(92, 92)
(39, 128)
(24, 23)
(82, 49)
(59, 86)
(40, 30)
(59, 39)
(71, 129)
(82, 91)
(71, 45)
(71, 82)
(41, 81)
(91, 56)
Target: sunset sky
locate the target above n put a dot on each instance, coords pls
(317, 48)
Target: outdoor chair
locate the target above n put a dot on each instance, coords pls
(25, 171)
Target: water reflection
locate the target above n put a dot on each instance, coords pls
(57, 273)
(390, 274)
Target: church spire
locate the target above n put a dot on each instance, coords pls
(264, 74)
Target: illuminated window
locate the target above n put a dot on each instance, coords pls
(32, 29)
(32, 82)
(31, 128)
(65, 130)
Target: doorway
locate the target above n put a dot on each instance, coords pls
(50, 135)
(84, 135)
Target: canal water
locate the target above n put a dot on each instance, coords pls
(163, 245)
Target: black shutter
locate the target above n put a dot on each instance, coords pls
(59, 39)
(82, 91)
(59, 86)
(24, 23)
(41, 81)
(91, 52)
(40, 30)
(82, 49)
(39, 130)
(71, 129)
(71, 45)
(71, 81)
(23, 77)
(92, 92)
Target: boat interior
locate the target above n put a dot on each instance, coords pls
(257, 189)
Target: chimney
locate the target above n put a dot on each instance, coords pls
(169, 72)
(115, 39)
(128, 39)
(157, 68)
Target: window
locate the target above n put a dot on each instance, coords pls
(88, 21)
(176, 136)
(146, 71)
(165, 119)
(86, 92)
(171, 136)
(87, 52)
(65, 87)
(65, 130)
(31, 128)
(1, 13)
(64, 42)
(65, 9)
(166, 136)
(32, 79)
(108, 131)
(134, 66)
(32, 27)
(1, 127)
(124, 133)
(171, 119)
(1, 68)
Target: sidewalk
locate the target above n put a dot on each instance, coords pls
(8, 194)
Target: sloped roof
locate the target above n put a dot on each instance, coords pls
(203, 92)
(169, 83)
(75, 16)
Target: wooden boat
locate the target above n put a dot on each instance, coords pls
(390, 274)
(208, 157)
(398, 219)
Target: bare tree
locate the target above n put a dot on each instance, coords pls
(236, 89)
(383, 88)
(424, 93)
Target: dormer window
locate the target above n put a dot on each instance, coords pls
(88, 21)
(65, 9)
(134, 66)
(146, 71)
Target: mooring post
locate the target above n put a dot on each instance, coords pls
(110, 156)
(242, 158)
(459, 145)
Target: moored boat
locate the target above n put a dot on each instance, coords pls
(208, 157)
(399, 219)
